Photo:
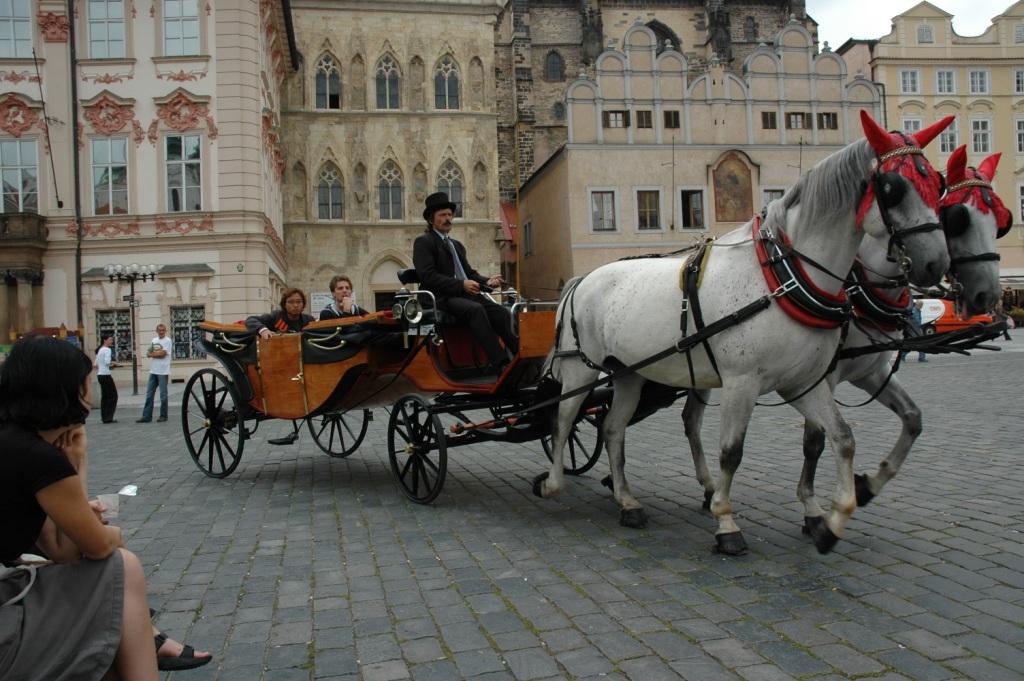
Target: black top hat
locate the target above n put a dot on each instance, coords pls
(435, 202)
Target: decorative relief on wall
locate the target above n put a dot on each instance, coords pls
(108, 78)
(734, 201)
(107, 229)
(184, 225)
(181, 113)
(272, 144)
(151, 131)
(16, 77)
(138, 134)
(54, 27)
(16, 116)
(211, 126)
(107, 116)
(181, 76)
(268, 229)
(81, 135)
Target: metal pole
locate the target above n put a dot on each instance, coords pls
(135, 340)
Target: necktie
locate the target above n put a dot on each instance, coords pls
(460, 273)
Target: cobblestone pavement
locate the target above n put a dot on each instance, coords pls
(299, 566)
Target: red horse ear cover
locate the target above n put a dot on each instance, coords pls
(956, 166)
(924, 137)
(881, 141)
(988, 167)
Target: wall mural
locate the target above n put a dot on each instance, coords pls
(734, 199)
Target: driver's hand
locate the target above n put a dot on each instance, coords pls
(470, 286)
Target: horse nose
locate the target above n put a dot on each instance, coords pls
(934, 270)
(982, 302)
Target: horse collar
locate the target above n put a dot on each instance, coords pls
(869, 303)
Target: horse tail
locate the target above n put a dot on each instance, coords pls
(569, 288)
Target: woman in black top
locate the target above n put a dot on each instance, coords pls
(289, 319)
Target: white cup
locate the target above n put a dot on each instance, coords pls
(112, 503)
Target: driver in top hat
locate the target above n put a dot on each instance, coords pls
(443, 269)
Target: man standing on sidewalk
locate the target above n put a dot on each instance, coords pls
(159, 373)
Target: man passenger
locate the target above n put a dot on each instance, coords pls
(343, 304)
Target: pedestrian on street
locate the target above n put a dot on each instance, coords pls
(108, 391)
(915, 329)
(159, 354)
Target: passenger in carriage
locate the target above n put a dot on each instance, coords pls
(444, 270)
(343, 304)
(289, 319)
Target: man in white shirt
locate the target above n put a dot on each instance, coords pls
(159, 374)
(108, 391)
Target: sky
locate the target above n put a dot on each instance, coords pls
(839, 20)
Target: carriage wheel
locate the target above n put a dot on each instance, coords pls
(417, 449)
(212, 423)
(339, 434)
(584, 444)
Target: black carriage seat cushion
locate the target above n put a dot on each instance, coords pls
(238, 345)
(329, 345)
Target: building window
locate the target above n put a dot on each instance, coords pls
(602, 211)
(1018, 33)
(558, 111)
(750, 30)
(979, 82)
(828, 120)
(672, 120)
(1018, 81)
(1020, 135)
(181, 27)
(769, 195)
(945, 82)
(451, 182)
(643, 119)
(925, 34)
(389, 191)
(798, 121)
(1020, 190)
(910, 82)
(616, 119)
(769, 120)
(116, 323)
(691, 202)
(110, 176)
(185, 332)
(981, 136)
(330, 194)
(527, 239)
(18, 171)
(388, 83)
(184, 173)
(15, 29)
(949, 139)
(909, 125)
(328, 83)
(554, 67)
(446, 84)
(648, 209)
(106, 29)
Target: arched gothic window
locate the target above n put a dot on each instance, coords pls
(389, 191)
(451, 182)
(389, 81)
(328, 83)
(554, 67)
(750, 30)
(330, 193)
(446, 84)
(664, 33)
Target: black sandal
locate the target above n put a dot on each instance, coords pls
(185, 660)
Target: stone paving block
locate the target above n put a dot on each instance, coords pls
(847, 660)
(463, 637)
(392, 670)
(702, 669)
(530, 664)
(914, 665)
(791, 658)
(586, 661)
(377, 648)
(1010, 656)
(648, 669)
(560, 640)
(731, 652)
(978, 668)
(475, 662)
(765, 672)
(283, 657)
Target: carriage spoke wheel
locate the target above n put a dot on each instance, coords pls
(417, 449)
(340, 434)
(212, 423)
(583, 448)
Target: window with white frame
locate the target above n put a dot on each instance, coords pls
(18, 170)
(691, 207)
(15, 29)
(1020, 192)
(910, 81)
(925, 34)
(1018, 81)
(185, 332)
(116, 323)
(446, 84)
(184, 159)
(910, 124)
(978, 79)
(615, 119)
(1020, 136)
(1018, 33)
(451, 181)
(110, 176)
(648, 209)
(945, 82)
(602, 210)
(981, 135)
(330, 193)
(106, 29)
(644, 119)
(527, 239)
(949, 139)
(389, 192)
(181, 27)
(388, 81)
(769, 195)
(328, 83)
(828, 120)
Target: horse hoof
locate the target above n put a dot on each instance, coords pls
(864, 493)
(824, 539)
(707, 500)
(633, 517)
(607, 482)
(731, 543)
(537, 484)
(806, 528)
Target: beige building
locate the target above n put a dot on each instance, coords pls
(392, 102)
(927, 71)
(660, 155)
(173, 134)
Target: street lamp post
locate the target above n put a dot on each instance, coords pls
(132, 273)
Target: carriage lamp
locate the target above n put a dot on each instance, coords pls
(131, 273)
(398, 308)
(413, 311)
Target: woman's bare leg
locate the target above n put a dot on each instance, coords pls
(136, 656)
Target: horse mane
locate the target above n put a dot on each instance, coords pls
(833, 186)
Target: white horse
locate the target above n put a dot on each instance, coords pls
(973, 217)
(626, 312)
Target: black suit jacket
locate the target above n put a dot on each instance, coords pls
(436, 268)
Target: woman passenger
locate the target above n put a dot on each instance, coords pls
(290, 318)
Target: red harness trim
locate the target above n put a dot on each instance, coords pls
(788, 305)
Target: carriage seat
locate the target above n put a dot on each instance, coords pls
(430, 315)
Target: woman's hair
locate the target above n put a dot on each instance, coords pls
(289, 292)
(42, 384)
(103, 339)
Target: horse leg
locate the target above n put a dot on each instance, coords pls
(572, 374)
(814, 443)
(820, 411)
(737, 406)
(896, 399)
(626, 397)
(693, 419)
